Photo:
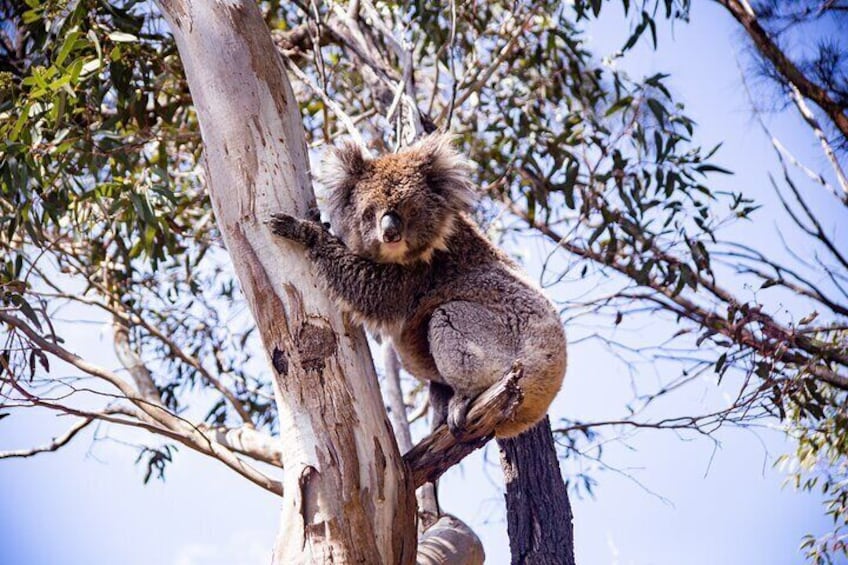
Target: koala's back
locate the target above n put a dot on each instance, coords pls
(475, 317)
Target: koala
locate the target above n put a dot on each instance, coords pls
(408, 262)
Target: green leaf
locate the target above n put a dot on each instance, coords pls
(31, 16)
(19, 123)
(67, 46)
(720, 363)
(26, 309)
(596, 7)
(75, 68)
(619, 105)
(708, 168)
(657, 109)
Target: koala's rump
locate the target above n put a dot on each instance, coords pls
(492, 312)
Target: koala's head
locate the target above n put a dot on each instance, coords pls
(397, 208)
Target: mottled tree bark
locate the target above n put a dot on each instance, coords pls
(538, 512)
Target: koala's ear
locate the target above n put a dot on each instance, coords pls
(447, 171)
(342, 168)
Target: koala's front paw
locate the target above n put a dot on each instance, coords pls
(302, 231)
(458, 407)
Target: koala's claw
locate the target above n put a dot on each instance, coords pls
(305, 232)
(283, 225)
(314, 214)
(458, 407)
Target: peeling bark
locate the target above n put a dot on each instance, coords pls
(346, 497)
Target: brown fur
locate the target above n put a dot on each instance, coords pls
(458, 310)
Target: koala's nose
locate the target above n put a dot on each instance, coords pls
(391, 226)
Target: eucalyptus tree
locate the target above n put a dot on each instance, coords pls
(105, 210)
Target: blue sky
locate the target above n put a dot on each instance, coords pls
(665, 500)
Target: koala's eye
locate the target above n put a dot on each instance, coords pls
(368, 215)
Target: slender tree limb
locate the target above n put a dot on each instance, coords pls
(131, 361)
(56, 443)
(780, 343)
(394, 397)
(152, 411)
(151, 415)
(340, 114)
(817, 231)
(814, 176)
(482, 76)
(124, 316)
(811, 120)
(784, 66)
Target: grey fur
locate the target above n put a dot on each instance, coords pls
(457, 309)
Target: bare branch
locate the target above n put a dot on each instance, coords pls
(58, 441)
(743, 13)
(152, 416)
(482, 76)
(152, 410)
(126, 316)
(340, 114)
(132, 362)
(811, 120)
(817, 231)
(779, 343)
(394, 397)
(814, 176)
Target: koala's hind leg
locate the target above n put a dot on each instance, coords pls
(440, 396)
(472, 349)
(447, 408)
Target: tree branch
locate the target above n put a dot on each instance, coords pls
(152, 415)
(247, 441)
(58, 441)
(781, 343)
(811, 120)
(784, 66)
(132, 362)
(440, 451)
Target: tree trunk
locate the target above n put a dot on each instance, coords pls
(538, 512)
(346, 497)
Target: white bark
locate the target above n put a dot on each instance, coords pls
(428, 508)
(346, 497)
